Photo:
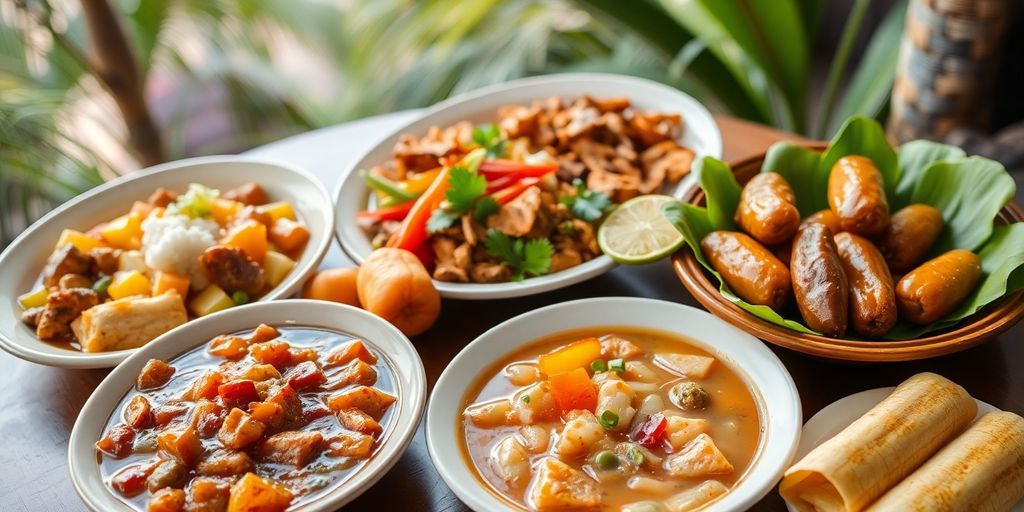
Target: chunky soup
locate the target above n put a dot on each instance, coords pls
(253, 421)
(613, 419)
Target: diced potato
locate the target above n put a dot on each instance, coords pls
(183, 446)
(686, 365)
(288, 235)
(124, 232)
(254, 494)
(698, 458)
(154, 374)
(81, 241)
(613, 347)
(224, 210)
(279, 210)
(293, 448)
(510, 460)
(225, 463)
(34, 299)
(129, 284)
(556, 485)
(240, 430)
(206, 494)
(249, 236)
(350, 444)
(277, 266)
(210, 300)
(164, 281)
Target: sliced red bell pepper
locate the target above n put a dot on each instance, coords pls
(396, 212)
(507, 194)
(494, 169)
(651, 431)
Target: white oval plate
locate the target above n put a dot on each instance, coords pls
(840, 414)
(700, 133)
(777, 399)
(22, 261)
(383, 338)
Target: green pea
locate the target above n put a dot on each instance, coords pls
(609, 419)
(606, 460)
(240, 297)
(101, 285)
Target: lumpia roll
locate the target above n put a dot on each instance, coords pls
(851, 470)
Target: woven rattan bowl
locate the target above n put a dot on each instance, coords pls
(982, 326)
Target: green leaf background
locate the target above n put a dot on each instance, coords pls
(969, 191)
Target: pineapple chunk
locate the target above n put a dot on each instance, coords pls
(132, 260)
(81, 241)
(124, 232)
(210, 300)
(277, 266)
(128, 284)
(224, 210)
(279, 210)
(34, 299)
(164, 281)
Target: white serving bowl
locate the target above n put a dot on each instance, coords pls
(777, 399)
(383, 338)
(23, 260)
(700, 133)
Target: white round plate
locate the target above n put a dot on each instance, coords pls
(383, 338)
(700, 133)
(777, 399)
(22, 261)
(840, 414)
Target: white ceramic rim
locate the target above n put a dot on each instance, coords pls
(700, 132)
(385, 339)
(769, 381)
(18, 340)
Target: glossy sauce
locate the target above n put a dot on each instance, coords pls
(732, 414)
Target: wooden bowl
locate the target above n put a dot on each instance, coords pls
(974, 330)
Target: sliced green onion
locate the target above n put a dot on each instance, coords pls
(609, 419)
(635, 455)
(101, 285)
(606, 460)
(598, 366)
(525, 399)
(617, 365)
(386, 187)
(240, 297)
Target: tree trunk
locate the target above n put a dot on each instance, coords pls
(112, 62)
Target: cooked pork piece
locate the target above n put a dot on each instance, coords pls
(249, 194)
(69, 281)
(62, 307)
(66, 259)
(447, 269)
(231, 269)
(128, 323)
(105, 260)
(162, 197)
(518, 216)
(490, 273)
(564, 259)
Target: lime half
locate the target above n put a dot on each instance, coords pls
(637, 232)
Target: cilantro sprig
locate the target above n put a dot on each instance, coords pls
(588, 205)
(467, 193)
(489, 137)
(522, 257)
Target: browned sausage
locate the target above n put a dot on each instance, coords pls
(767, 209)
(819, 283)
(872, 292)
(856, 194)
(911, 233)
(752, 272)
(938, 286)
(828, 218)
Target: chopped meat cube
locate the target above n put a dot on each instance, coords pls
(563, 259)
(229, 347)
(168, 473)
(289, 402)
(305, 375)
(167, 500)
(354, 349)
(183, 445)
(207, 495)
(233, 270)
(240, 430)
(356, 372)
(254, 494)
(118, 442)
(250, 212)
(358, 421)
(517, 217)
(131, 480)
(162, 197)
(225, 463)
(163, 414)
(295, 448)
(370, 400)
(354, 445)
(238, 392)
(205, 386)
(62, 308)
(31, 316)
(129, 322)
(260, 372)
(207, 417)
(615, 347)
(249, 193)
(268, 413)
(556, 485)
(66, 259)
(686, 365)
(137, 412)
(698, 458)
(154, 374)
(490, 273)
(276, 353)
(105, 260)
(263, 333)
(69, 281)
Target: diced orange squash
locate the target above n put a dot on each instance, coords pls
(573, 390)
(224, 210)
(354, 445)
(128, 284)
(277, 353)
(269, 413)
(289, 235)
(575, 355)
(351, 350)
(165, 281)
(124, 232)
(249, 236)
(276, 266)
(210, 300)
(254, 494)
(279, 210)
(81, 241)
(166, 500)
(371, 401)
(294, 448)
(185, 446)
(229, 346)
(240, 430)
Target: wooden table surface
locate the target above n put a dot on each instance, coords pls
(39, 404)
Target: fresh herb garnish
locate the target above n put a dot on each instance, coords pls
(197, 203)
(489, 137)
(588, 205)
(529, 257)
(525, 399)
(466, 194)
(486, 206)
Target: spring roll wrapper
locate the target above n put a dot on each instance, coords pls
(982, 469)
(851, 470)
